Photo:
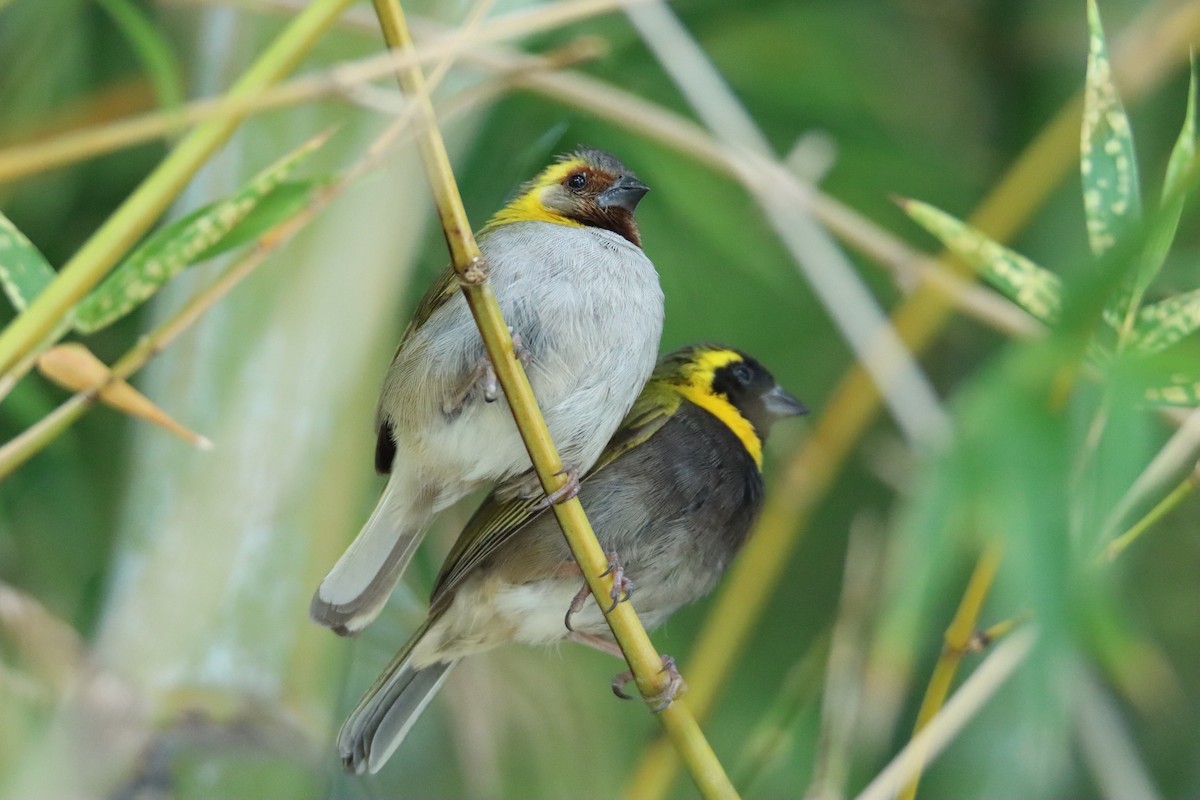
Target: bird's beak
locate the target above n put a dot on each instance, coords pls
(625, 193)
(781, 404)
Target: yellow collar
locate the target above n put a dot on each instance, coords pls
(697, 387)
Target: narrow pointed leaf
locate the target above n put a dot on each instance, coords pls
(1166, 222)
(1177, 390)
(1111, 193)
(24, 271)
(284, 202)
(74, 367)
(151, 48)
(174, 247)
(1163, 324)
(1034, 289)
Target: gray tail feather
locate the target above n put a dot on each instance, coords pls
(360, 583)
(390, 708)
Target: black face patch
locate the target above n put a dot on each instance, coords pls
(744, 382)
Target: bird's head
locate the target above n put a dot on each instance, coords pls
(586, 188)
(734, 387)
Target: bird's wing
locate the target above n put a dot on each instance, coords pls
(496, 521)
(443, 288)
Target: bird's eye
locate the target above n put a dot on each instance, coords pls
(577, 181)
(742, 373)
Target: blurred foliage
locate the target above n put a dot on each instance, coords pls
(189, 573)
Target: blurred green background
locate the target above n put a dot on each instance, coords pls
(186, 574)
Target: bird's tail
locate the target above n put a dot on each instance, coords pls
(389, 709)
(358, 586)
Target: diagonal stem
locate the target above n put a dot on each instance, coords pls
(468, 262)
(960, 636)
(133, 218)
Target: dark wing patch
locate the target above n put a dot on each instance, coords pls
(385, 449)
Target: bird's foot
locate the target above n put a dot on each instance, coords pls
(491, 384)
(622, 589)
(568, 491)
(675, 686)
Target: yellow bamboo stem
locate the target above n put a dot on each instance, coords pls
(468, 262)
(960, 640)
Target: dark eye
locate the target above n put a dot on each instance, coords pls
(577, 181)
(742, 374)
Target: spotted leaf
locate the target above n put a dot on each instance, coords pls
(1111, 192)
(24, 272)
(1163, 324)
(1034, 289)
(1177, 390)
(172, 248)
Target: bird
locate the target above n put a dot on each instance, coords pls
(671, 499)
(585, 308)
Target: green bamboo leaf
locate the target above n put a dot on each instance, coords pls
(1162, 232)
(1034, 289)
(24, 271)
(1177, 390)
(151, 48)
(1163, 324)
(287, 200)
(172, 248)
(1111, 192)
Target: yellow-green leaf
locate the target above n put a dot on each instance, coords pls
(1163, 324)
(1165, 223)
(1178, 390)
(288, 199)
(1034, 289)
(172, 248)
(1111, 193)
(24, 271)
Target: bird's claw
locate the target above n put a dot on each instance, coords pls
(568, 491)
(622, 589)
(659, 701)
(620, 584)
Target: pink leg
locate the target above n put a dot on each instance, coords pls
(621, 586)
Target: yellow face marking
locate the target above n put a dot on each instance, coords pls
(696, 386)
(529, 206)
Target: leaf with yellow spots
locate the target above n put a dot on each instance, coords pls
(1177, 390)
(24, 271)
(1163, 324)
(1034, 289)
(1166, 222)
(1111, 192)
(197, 236)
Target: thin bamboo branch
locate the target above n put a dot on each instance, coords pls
(1177, 495)
(37, 155)
(841, 700)
(963, 706)
(959, 639)
(1146, 53)
(1179, 449)
(471, 267)
(139, 211)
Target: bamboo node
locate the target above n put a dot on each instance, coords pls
(475, 273)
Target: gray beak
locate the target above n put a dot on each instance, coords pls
(625, 193)
(781, 404)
